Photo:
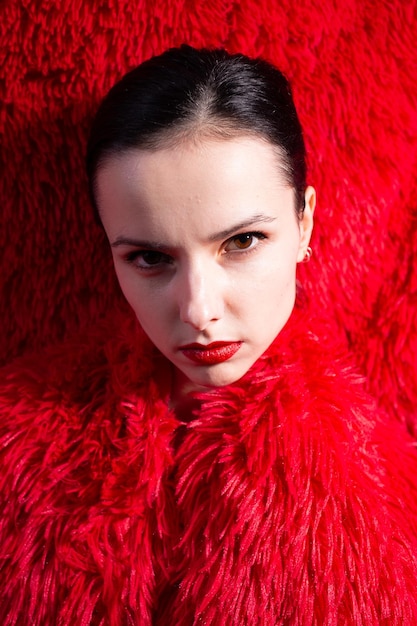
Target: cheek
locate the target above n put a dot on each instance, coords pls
(273, 278)
(145, 302)
(272, 293)
(151, 313)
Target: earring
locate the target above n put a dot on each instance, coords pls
(308, 255)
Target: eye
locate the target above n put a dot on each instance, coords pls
(148, 259)
(244, 241)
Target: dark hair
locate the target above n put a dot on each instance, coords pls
(188, 92)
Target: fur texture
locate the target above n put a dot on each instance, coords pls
(288, 499)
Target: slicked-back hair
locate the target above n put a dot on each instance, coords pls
(188, 93)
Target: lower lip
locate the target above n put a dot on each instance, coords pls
(212, 356)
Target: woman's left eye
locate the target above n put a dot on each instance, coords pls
(244, 241)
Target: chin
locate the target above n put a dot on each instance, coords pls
(217, 375)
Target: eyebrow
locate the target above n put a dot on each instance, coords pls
(223, 234)
(255, 219)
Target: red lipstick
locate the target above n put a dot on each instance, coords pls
(211, 354)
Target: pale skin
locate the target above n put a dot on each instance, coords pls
(205, 241)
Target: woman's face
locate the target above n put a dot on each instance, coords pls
(205, 242)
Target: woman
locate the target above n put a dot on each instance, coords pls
(224, 466)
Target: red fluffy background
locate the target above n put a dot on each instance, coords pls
(353, 68)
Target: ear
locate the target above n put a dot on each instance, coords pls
(306, 223)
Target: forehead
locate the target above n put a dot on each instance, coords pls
(212, 180)
(222, 157)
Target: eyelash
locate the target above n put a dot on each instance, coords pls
(132, 257)
(252, 234)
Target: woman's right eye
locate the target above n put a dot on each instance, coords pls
(148, 259)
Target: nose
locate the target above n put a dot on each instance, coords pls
(199, 293)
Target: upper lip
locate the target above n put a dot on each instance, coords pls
(208, 346)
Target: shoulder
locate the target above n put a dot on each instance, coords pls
(62, 411)
(80, 372)
(72, 442)
(306, 407)
(309, 372)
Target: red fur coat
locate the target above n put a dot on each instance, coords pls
(287, 500)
